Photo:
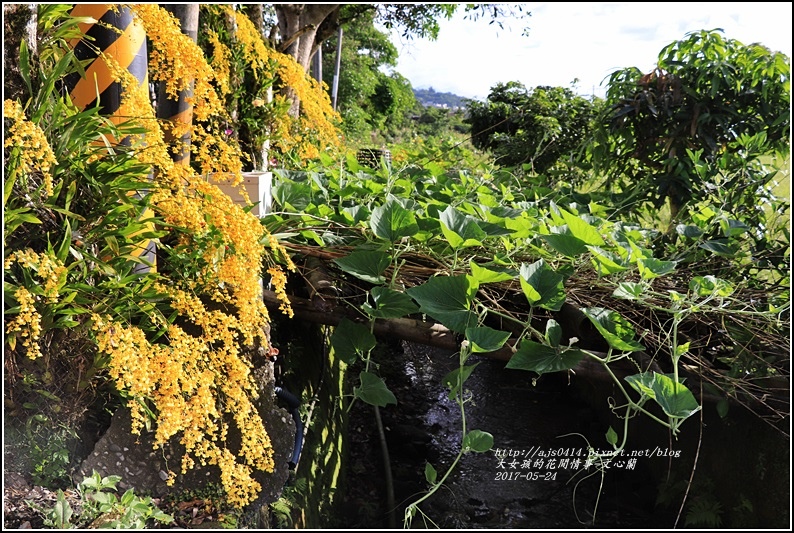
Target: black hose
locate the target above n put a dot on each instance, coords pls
(293, 404)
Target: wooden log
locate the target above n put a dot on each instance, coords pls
(407, 329)
(439, 336)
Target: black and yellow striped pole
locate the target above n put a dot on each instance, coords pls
(177, 114)
(116, 33)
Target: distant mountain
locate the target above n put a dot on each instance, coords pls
(429, 97)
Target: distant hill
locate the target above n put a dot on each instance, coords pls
(429, 97)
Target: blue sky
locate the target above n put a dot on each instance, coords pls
(584, 40)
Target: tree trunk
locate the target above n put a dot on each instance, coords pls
(298, 25)
(19, 24)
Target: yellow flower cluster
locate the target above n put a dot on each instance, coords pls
(176, 60)
(201, 207)
(49, 269)
(317, 114)
(190, 382)
(151, 147)
(217, 157)
(278, 248)
(35, 153)
(27, 323)
(254, 50)
(193, 379)
(279, 281)
(221, 59)
(316, 124)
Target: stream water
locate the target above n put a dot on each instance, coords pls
(534, 477)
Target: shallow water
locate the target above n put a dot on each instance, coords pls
(511, 486)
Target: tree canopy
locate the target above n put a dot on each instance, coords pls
(530, 127)
(707, 98)
(369, 97)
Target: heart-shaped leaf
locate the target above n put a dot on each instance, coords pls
(542, 286)
(373, 390)
(389, 304)
(485, 339)
(392, 221)
(368, 266)
(351, 340)
(477, 441)
(448, 300)
(543, 359)
(615, 329)
(460, 230)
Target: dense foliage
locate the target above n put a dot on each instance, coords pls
(673, 133)
(372, 101)
(494, 262)
(533, 128)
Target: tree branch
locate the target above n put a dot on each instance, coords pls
(295, 36)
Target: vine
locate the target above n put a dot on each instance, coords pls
(424, 242)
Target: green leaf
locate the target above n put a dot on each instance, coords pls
(692, 232)
(127, 498)
(628, 290)
(481, 274)
(477, 441)
(581, 229)
(368, 266)
(605, 262)
(62, 512)
(455, 379)
(643, 383)
(720, 247)
(722, 407)
(493, 230)
(612, 436)
(356, 214)
(543, 359)
(351, 340)
(373, 390)
(24, 64)
(553, 333)
(732, 227)
(675, 399)
(460, 230)
(392, 221)
(389, 304)
(291, 195)
(448, 300)
(63, 250)
(652, 268)
(567, 245)
(311, 235)
(614, 328)
(485, 339)
(710, 286)
(430, 473)
(542, 286)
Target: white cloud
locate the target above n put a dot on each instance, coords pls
(580, 40)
